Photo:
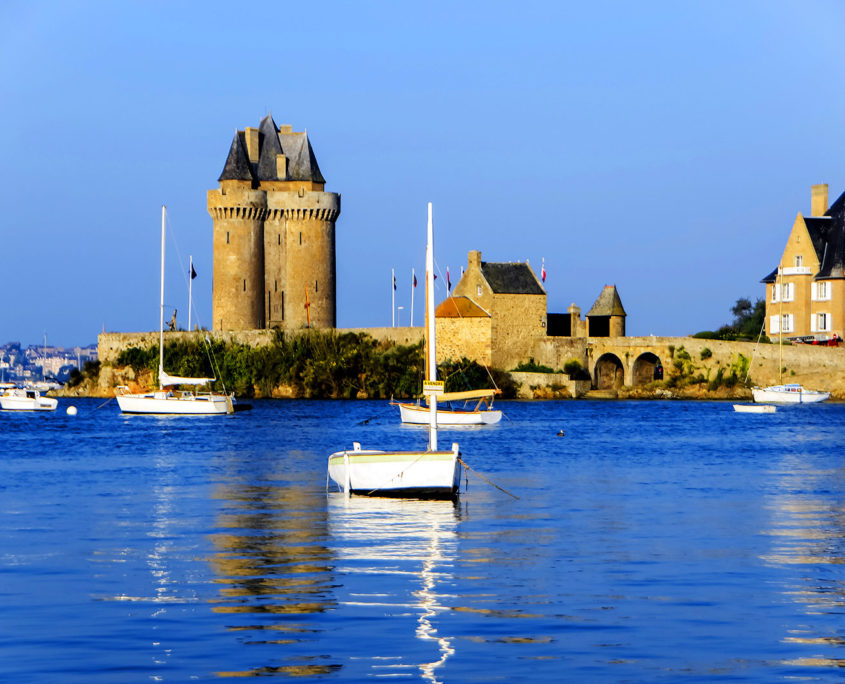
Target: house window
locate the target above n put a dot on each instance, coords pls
(821, 291)
(478, 290)
(774, 324)
(799, 261)
(786, 323)
(788, 291)
(775, 292)
(823, 322)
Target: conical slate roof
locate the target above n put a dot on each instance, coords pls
(270, 146)
(302, 164)
(608, 303)
(237, 165)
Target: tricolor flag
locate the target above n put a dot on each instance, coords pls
(543, 271)
(448, 281)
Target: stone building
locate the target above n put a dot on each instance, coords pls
(513, 297)
(274, 234)
(607, 316)
(805, 294)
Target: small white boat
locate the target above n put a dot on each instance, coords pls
(24, 399)
(787, 394)
(754, 408)
(419, 474)
(482, 414)
(164, 400)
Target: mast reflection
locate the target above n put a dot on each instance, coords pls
(808, 527)
(383, 537)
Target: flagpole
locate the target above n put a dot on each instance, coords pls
(190, 283)
(413, 283)
(393, 296)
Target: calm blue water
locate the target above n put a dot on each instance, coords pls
(654, 542)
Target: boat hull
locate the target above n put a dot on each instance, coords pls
(15, 401)
(413, 474)
(173, 404)
(420, 415)
(787, 394)
(754, 408)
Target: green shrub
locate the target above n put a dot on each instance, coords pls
(706, 353)
(531, 367)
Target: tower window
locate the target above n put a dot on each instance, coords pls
(244, 285)
(300, 238)
(275, 286)
(280, 238)
(227, 237)
(316, 288)
(283, 305)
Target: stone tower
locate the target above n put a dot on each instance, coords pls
(274, 234)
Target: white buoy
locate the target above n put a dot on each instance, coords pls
(71, 410)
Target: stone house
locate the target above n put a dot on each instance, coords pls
(805, 293)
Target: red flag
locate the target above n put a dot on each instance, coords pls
(543, 273)
(415, 280)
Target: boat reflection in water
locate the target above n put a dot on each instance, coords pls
(275, 574)
(393, 557)
(809, 533)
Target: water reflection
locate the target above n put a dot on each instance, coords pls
(403, 551)
(274, 571)
(808, 531)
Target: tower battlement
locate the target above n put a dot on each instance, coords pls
(274, 234)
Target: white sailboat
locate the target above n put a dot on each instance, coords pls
(165, 400)
(791, 393)
(421, 474)
(482, 414)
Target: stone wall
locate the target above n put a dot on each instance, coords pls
(518, 321)
(464, 337)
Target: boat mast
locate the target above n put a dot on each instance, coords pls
(431, 351)
(161, 317)
(780, 326)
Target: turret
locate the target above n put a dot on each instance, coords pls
(297, 232)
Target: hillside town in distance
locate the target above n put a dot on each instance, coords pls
(42, 366)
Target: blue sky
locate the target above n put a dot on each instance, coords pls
(663, 147)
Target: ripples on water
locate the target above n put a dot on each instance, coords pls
(656, 541)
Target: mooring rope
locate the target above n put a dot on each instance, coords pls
(466, 465)
(104, 403)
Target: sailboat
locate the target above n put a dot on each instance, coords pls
(419, 474)
(791, 393)
(482, 414)
(165, 400)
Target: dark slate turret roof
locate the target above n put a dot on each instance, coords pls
(237, 165)
(608, 303)
(302, 164)
(269, 147)
(827, 234)
(511, 278)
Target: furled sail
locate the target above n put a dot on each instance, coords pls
(166, 380)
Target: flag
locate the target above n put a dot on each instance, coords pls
(543, 273)
(448, 280)
(193, 272)
(394, 282)
(415, 280)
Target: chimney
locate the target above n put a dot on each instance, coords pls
(818, 200)
(251, 135)
(286, 129)
(281, 167)
(474, 260)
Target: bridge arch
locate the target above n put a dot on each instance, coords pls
(608, 373)
(644, 369)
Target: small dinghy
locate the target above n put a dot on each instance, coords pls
(754, 408)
